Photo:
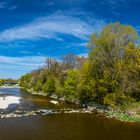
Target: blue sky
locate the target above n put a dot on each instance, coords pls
(32, 30)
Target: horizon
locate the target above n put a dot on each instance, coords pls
(34, 30)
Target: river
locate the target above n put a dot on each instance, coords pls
(74, 126)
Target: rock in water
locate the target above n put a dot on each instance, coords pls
(54, 102)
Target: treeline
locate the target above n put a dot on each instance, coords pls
(8, 81)
(56, 77)
(110, 75)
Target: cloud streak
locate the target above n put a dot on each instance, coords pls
(14, 67)
(52, 27)
(114, 4)
(3, 5)
(6, 5)
(31, 61)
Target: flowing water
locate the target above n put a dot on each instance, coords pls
(75, 126)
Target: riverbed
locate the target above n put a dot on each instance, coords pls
(61, 126)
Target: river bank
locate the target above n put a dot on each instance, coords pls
(14, 86)
(125, 116)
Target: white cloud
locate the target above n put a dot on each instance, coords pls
(6, 5)
(31, 61)
(26, 52)
(13, 7)
(114, 4)
(53, 26)
(14, 67)
(137, 28)
(83, 55)
(3, 5)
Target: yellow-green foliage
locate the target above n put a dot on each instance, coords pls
(49, 86)
(110, 75)
(70, 85)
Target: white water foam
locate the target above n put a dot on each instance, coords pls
(7, 100)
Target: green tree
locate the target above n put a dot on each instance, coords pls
(38, 86)
(108, 53)
(70, 85)
(49, 86)
(2, 81)
(87, 85)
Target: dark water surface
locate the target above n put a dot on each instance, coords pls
(62, 126)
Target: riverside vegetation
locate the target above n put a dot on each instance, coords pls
(109, 76)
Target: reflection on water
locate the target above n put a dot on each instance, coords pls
(30, 102)
(62, 126)
(10, 91)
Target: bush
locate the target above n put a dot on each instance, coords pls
(70, 85)
(49, 86)
(118, 100)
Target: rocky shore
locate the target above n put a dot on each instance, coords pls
(18, 113)
(125, 116)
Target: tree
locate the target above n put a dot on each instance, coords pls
(110, 75)
(108, 53)
(38, 86)
(70, 85)
(49, 86)
(2, 81)
(69, 61)
(87, 85)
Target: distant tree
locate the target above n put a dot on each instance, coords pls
(2, 81)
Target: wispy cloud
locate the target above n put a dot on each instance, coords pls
(14, 67)
(31, 61)
(25, 52)
(6, 5)
(137, 28)
(114, 4)
(53, 26)
(12, 7)
(3, 5)
(83, 55)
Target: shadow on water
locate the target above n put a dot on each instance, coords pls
(32, 102)
(67, 127)
(63, 126)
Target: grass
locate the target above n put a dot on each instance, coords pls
(123, 117)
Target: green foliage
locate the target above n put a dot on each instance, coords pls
(49, 86)
(25, 81)
(38, 86)
(109, 76)
(59, 88)
(2, 82)
(118, 100)
(123, 117)
(114, 64)
(70, 85)
(8, 81)
(87, 85)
